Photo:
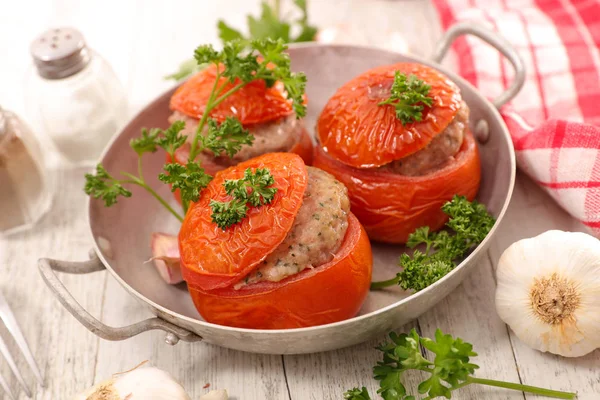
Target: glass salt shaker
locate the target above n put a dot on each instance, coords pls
(24, 194)
(73, 96)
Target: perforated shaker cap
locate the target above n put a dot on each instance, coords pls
(59, 53)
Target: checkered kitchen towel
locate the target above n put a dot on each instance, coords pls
(555, 120)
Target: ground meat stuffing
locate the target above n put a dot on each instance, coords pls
(316, 235)
(438, 153)
(269, 137)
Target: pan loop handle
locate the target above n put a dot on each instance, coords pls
(494, 40)
(47, 268)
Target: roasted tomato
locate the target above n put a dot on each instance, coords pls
(398, 176)
(253, 104)
(264, 111)
(391, 206)
(301, 260)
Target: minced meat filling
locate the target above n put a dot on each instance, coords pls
(269, 137)
(317, 233)
(440, 151)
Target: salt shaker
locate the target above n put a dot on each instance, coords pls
(24, 194)
(73, 96)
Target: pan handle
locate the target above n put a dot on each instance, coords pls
(494, 40)
(47, 268)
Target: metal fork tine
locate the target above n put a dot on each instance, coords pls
(6, 388)
(13, 366)
(11, 323)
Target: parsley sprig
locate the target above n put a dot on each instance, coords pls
(254, 189)
(240, 63)
(470, 223)
(450, 369)
(409, 96)
(270, 25)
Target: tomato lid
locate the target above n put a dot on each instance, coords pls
(252, 104)
(214, 258)
(354, 129)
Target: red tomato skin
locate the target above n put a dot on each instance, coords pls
(252, 104)
(212, 257)
(355, 129)
(332, 292)
(392, 206)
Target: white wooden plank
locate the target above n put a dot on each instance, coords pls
(469, 313)
(244, 375)
(532, 212)
(61, 346)
(328, 375)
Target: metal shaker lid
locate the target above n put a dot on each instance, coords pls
(59, 53)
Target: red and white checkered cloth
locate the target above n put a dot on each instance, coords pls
(555, 120)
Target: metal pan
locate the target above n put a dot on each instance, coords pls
(122, 233)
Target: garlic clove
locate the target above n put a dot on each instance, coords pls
(548, 292)
(146, 383)
(220, 394)
(165, 255)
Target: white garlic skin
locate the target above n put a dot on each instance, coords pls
(220, 394)
(573, 256)
(146, 383)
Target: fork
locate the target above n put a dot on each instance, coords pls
(10, 322)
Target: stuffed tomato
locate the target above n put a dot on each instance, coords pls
(301, 260)
(399, 173)
(264, 111)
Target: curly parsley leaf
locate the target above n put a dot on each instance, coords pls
(103, 186)
(227, 137)
(146, 143)
(451, 369)
(228, 213)
(276, 67)
(170, 139)
(254, 189)
(189, 179)
(469, 223)
(357, 394)
(409, 95)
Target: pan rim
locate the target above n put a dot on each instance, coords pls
(322, 328)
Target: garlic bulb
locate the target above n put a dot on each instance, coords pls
(220, 394)
(146, 383)
(549, 292)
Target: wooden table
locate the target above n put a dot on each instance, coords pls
(145, 40)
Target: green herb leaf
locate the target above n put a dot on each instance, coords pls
(189, 179)
(239, 63)
(409, 95)
(103, 186)
(268, 25)
(294, 84)
(227, 33)
(228, 213)
(147, 143)
(450, 370)
(357, 394)
(470, 223)
(227, 137)
(206, 54)
(308, 32)
(254, 189)
(171, 139)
